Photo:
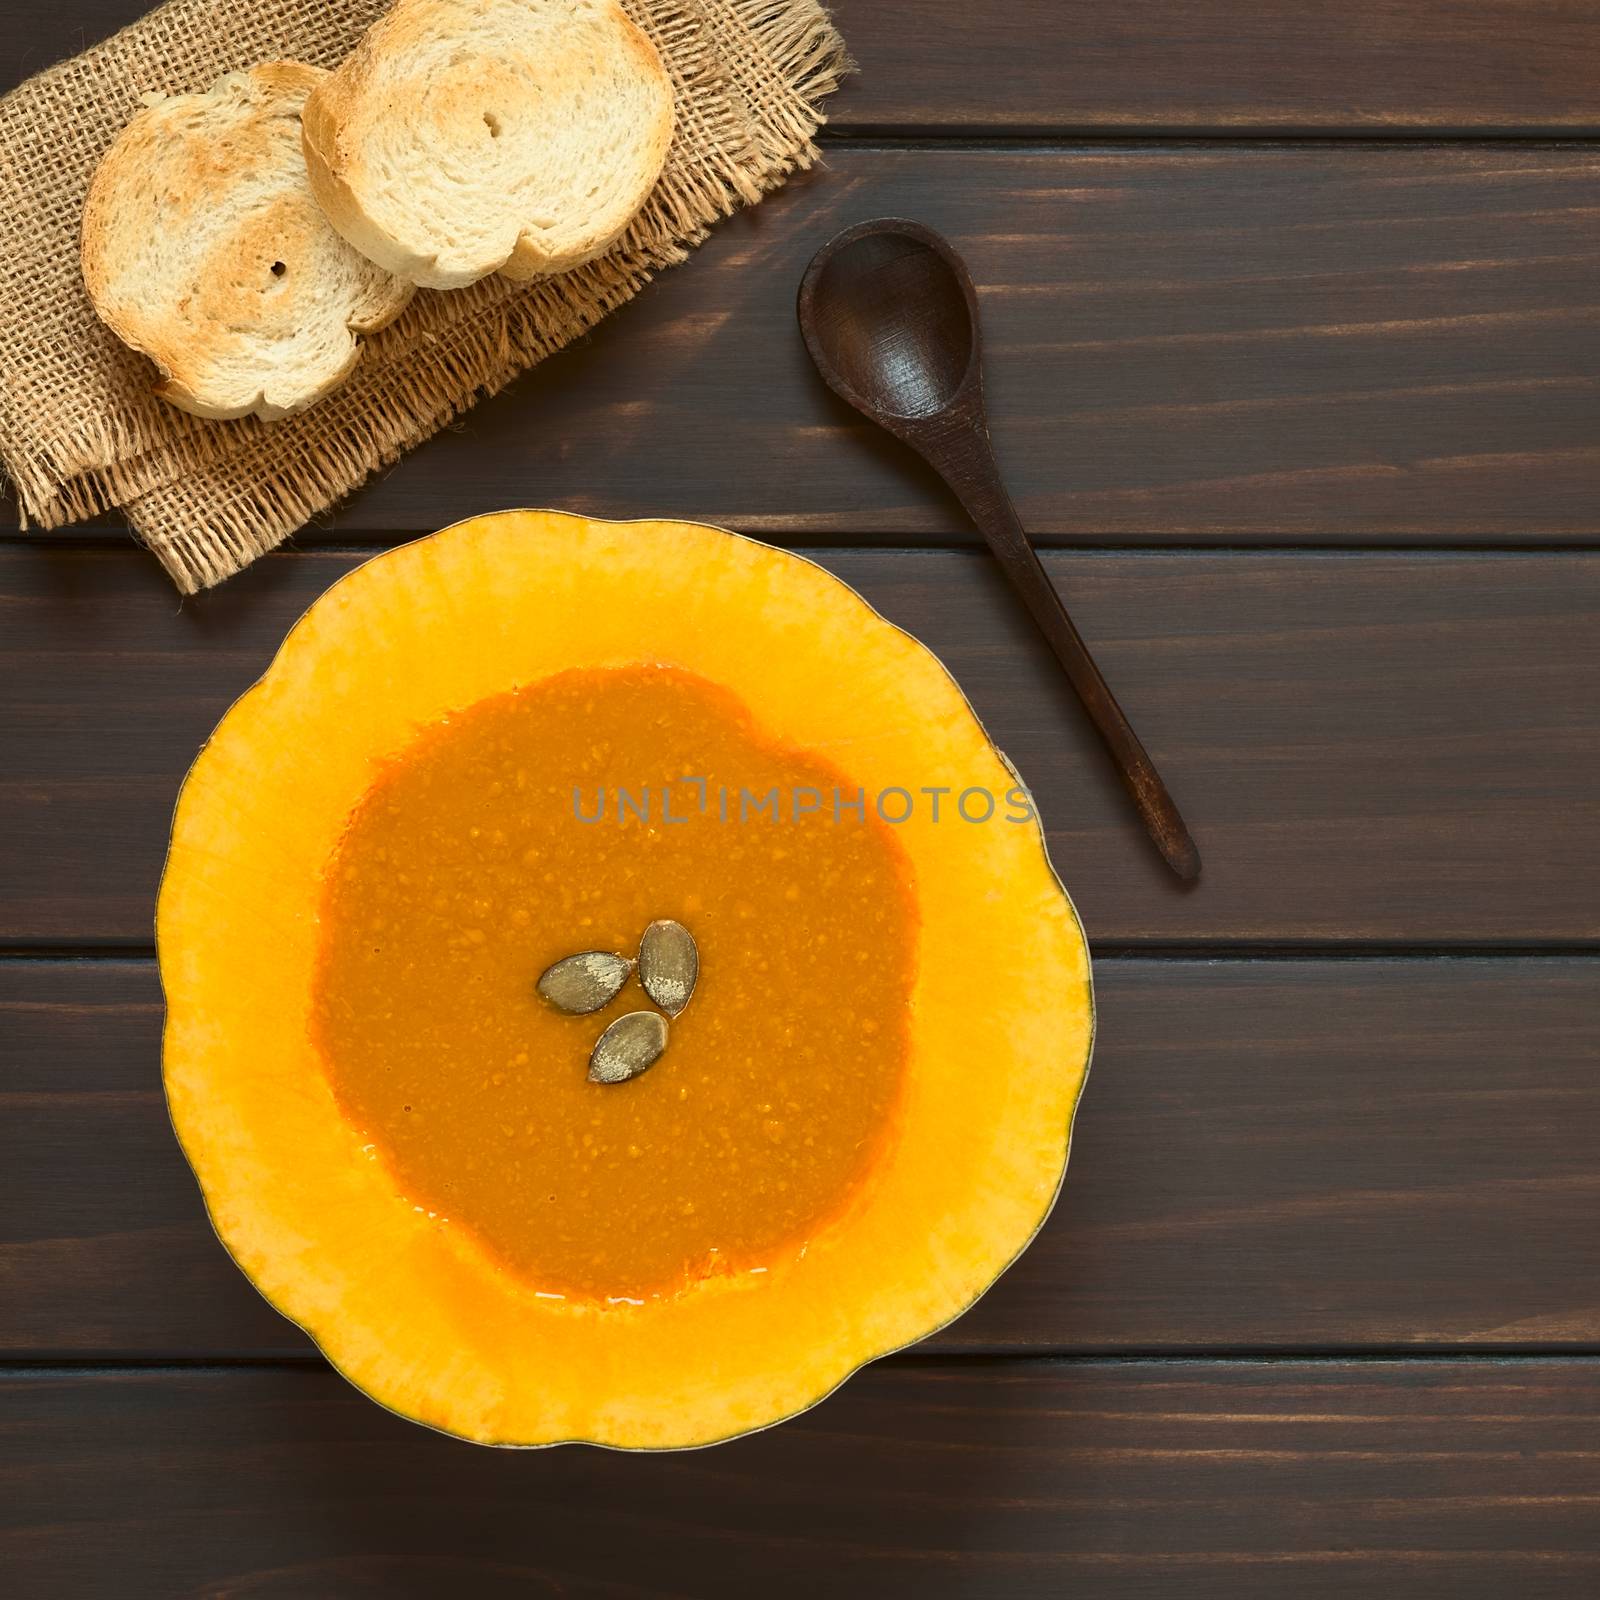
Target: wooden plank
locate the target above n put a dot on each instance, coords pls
(1221, 66)
(1272, 1155)
(1200, 66)
(1368, 749)
(1435, 1480)
(1313, 344)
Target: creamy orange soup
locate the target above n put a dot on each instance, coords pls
(469, 868)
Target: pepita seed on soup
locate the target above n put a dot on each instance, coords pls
(586, 982)
(669, 964)
(629, 1048)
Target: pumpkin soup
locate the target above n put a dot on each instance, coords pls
(485, 853)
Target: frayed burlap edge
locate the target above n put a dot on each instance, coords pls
(210, 498)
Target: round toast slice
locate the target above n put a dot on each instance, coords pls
(467, 137)
(204, 248)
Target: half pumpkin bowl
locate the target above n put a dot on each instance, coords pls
(535, 735)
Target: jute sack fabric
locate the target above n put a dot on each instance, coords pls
(81, 432)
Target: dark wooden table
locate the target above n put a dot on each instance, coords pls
(1294, 325)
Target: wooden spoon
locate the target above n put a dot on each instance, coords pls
(890, 317)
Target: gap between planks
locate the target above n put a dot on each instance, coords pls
(1240, 952)
(358, 544)
(66, 1365)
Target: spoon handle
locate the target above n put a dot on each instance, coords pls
(964, 459)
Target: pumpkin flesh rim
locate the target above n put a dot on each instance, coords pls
(810, 1340)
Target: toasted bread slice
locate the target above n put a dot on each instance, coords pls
(465, 137)
(204, 247)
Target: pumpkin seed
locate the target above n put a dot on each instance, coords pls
(669, 965)
(585, 982)
(630, 1046)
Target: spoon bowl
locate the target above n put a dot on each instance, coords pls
(889, 314)
(892, 319)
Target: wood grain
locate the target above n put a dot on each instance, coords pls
(1199, 66)
(1400, 748)
(1312, 344)
(1014, 1481)
(1271, 1155)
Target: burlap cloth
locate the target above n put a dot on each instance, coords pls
(80, 431)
